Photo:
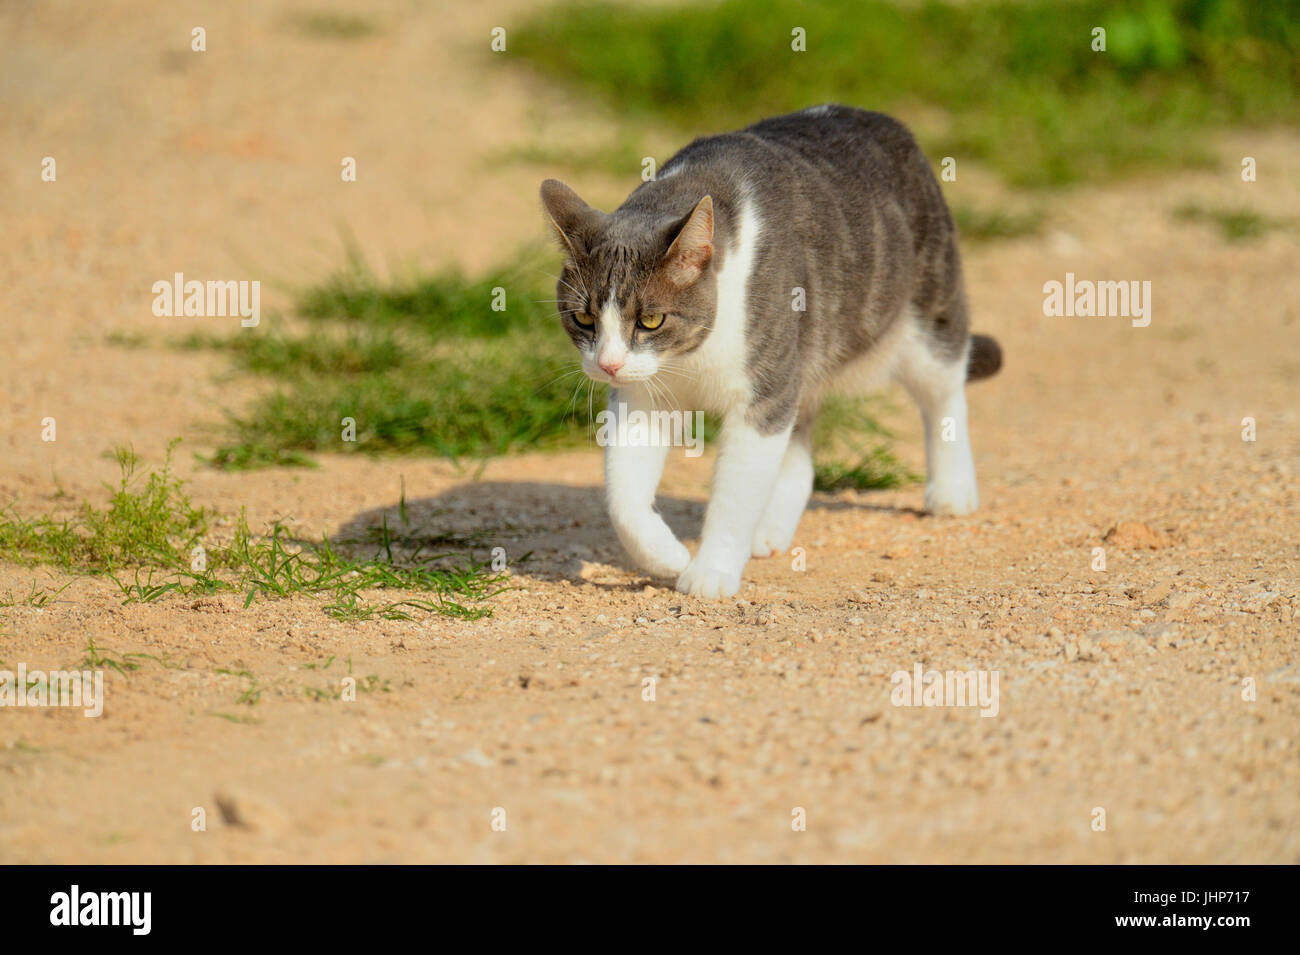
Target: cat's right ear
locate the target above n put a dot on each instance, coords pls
(573, 220)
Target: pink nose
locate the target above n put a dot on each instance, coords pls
(611, 367)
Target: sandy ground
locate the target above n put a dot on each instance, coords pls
(1120, 690)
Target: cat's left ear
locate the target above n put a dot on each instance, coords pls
(692, 250)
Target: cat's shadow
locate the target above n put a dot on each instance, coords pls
(560, 527)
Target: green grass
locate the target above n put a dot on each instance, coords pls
(984, 225)
(873, 470)
(1013, 84)
(1234, 225)
(147, 519)
(123, 339)
(420, 365)
(852, 449)
(37, 597)
(97, 659)
(145, 540)
(279, 565)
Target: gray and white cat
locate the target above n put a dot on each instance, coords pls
(690, 289)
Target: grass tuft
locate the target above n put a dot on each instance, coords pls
(1234, 225)
(853, 448)
(151, 528)
(440, 364)
(146, 519)
(983, 225)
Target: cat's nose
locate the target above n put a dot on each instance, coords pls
(611, 366)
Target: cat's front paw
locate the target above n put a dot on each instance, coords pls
(667, 560)
(705, 578)
(653, 548)
(953, 497)
(775, 534)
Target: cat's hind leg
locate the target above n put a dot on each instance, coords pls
(790, 495)
(935, 377)
(632, 473)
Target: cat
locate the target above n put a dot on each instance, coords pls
(691, 289)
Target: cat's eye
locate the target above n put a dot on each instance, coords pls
(651, 322)
(583, 319)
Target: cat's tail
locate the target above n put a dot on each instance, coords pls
(985, 358)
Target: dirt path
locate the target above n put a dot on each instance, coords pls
(1121, 689)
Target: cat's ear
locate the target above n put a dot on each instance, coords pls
(692, 249)
(573, 220)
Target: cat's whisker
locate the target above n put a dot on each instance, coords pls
(659, 392)
(682, 374)
(687, 373)
(670, 396)
(568, 285)
(582, 281)
(567, 374)
(559, 378)
(572, 408)
(651, 392)
(674, 401)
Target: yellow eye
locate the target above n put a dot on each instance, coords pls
(583, 319)
(651, 321)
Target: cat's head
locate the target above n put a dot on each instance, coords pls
(637, 288)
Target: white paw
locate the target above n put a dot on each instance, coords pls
(772, 538)
(654, 549)
(952, 497)
(667, 560)
(708, 579)
(775, 532)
